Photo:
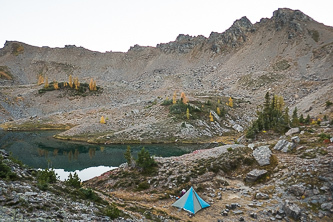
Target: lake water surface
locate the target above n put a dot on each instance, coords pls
(40, 150)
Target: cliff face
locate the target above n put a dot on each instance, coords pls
(288, 54)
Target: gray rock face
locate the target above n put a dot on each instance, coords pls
(255, 175)
(297, 190)
(262, 155)
(326, 206)
(292, 131)
(292, 210)
(284, 146)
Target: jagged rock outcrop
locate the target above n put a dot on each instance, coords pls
(234, 36)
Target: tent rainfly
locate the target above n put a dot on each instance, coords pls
(191, 202)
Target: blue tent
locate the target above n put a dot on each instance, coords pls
(191, 202)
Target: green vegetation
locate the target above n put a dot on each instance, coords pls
(315, 35)
(6, 172)
(112, 211)
(145, 162)
(88, 194)
(271, 116)
(328, 103)
(167, 102)
(281, 65)
(143, 186)
(45, 177)
(195, 110)
(323, 137)
(73, 180)
(128, 155)
(17, 49)
(82, 89)
(5, 73)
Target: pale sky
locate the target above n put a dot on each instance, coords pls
(116, 25)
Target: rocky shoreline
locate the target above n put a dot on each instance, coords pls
(261, 181)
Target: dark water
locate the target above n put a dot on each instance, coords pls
(40, 150)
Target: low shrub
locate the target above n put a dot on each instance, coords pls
(143, 186)
(145, 161)
(45, 177)
(73, 180)
(6, 172)
(112, 211)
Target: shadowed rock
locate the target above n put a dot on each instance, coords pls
(255, 175)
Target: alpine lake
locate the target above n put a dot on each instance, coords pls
(38, 149)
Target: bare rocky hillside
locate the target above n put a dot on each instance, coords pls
(289, 54)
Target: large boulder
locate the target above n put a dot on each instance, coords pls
(262, 155)
(255, 175)
(292, 210)
(292, 131)
(284, 146)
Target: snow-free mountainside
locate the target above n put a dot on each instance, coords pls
(245, 87)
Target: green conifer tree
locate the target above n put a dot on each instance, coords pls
(294, 118)
(128, 155)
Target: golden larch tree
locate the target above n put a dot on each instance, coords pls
(46, 84)
(40, 80)
(174, 100)
(55, 84)
(211, 118)
(76, 83)
(188, 113)
(91, 85)
(183, 98)
(102, 120)
(280, 103)
(70, 81)
(94, 86)
(218, 111)
(231, 103)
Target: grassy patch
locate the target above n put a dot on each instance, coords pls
(34, 125)
(314, 34)
(5, 73)
(281, 65)
(17, 49)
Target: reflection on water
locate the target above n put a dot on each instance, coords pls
(41, 150)
(84, 174)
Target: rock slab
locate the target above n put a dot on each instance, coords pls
(284, 146)
(262, 155)
(254, 175)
